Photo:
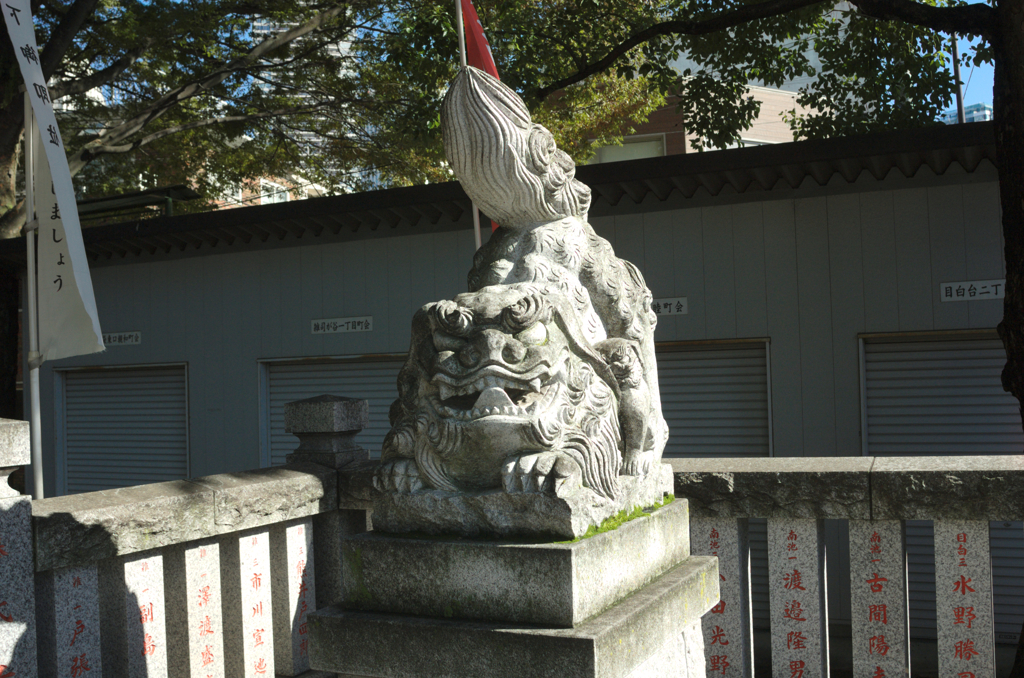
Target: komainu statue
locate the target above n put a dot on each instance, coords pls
(536, 391)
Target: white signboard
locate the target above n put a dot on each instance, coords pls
(972, 290)
(339, 325)
(672, 306)
(122, 338)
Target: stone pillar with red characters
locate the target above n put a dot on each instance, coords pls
(963, 599)
(799, 613)
(878, 595)
(17, 594)
(195, 629)
(69, 622)
(291, 566)
(132, 607)
(727, 627)
(248, 610)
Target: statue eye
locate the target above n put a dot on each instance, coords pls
(534, 335)
(453, 318)
(525, 312)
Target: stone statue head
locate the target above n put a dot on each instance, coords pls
(509, 166)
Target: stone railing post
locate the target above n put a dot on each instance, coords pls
(195, 621)
(963, 599)
(17, 590)
(248, 609)
(878, 597)
(797, 594)
(727, 627)
(294, 589)
(134, 614)
(326, 427)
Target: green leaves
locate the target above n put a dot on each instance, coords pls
(355, 105)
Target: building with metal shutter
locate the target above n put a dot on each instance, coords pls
(805, 283)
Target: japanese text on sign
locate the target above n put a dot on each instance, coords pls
(972, 290)
(122, 338)
(339, 325)
(673, 306)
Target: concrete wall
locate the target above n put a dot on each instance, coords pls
(810, 268)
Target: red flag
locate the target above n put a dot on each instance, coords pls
(478, 52)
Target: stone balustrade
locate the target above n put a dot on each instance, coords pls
(215, 576)
(208, 577)
(877, 496)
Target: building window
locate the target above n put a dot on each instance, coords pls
(271, 192)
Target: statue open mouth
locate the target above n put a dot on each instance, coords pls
(495, 391)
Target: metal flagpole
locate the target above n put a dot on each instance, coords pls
(462, 59)
(31, 226)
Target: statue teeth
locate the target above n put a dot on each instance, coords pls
(475, 413)
(535, 384)
(445, 391)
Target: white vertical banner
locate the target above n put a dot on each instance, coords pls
(68, 322)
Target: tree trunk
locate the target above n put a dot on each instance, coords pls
(1008, 112)
(9, 329)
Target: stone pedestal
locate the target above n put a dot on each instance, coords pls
(625, 603)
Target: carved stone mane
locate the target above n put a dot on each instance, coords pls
(507, 164)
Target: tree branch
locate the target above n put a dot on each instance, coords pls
(716, 22)
(100, 77)
(963, 19)
(64, 34)
(95, 151)
(120, 132)
(972, 19)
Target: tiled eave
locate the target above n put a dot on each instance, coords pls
(442, 207)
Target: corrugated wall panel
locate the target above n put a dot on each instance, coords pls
(376, 381)
(927, 398)
(125, 427)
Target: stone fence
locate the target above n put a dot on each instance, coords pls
(206, 577)
(960, 495)
(215, 576)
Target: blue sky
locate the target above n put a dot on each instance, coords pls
(977, 83)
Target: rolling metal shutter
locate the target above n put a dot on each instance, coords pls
(927, 398)
(124, 427)
(375, 381)
(715, 400)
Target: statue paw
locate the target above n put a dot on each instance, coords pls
(637, 463)
(401, 475)
(546, 472)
